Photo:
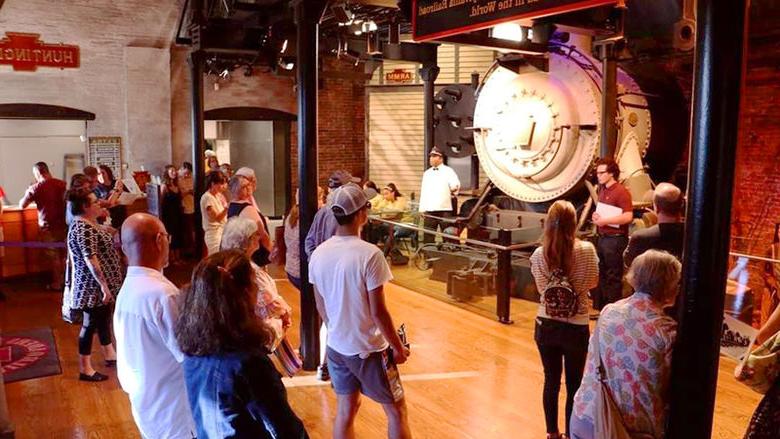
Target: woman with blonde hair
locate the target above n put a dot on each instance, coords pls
(630, 355)
(564, 269)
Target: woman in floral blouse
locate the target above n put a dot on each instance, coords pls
(635, 340)
(244, 234)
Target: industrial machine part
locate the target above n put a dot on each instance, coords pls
(453, 116)
(537, 126)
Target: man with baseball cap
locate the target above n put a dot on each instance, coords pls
(363, 347)
(323, 226)
(440, 184)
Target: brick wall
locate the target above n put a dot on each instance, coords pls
(757, 186)
(103, 29)
(341, 110)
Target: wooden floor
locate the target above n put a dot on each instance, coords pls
(468, 377)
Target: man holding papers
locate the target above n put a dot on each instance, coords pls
(614, 213)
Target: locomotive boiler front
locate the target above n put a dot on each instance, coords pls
(537, 131)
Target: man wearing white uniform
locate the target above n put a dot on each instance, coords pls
(439, 185)
(148, 357)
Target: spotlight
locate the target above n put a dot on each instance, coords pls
(508, 31)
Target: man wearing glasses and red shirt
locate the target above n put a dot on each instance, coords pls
(613, 232)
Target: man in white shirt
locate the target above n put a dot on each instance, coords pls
(148, 357)
(440, 184)
(348, 275)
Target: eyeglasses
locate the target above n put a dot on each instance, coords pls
(166, 235)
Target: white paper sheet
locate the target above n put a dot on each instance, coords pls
(608, 211)
(131, 185)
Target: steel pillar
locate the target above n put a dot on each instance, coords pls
(428, 75)
(608, 99)
(718, 79)
(307, 16)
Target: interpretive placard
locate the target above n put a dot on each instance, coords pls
(106, 151)
(433, 19)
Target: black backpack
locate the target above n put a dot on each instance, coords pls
(560, 299)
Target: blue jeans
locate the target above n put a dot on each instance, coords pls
(580, 428)
(295, 281)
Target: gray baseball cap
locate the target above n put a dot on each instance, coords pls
(349, 198)
(340, 178)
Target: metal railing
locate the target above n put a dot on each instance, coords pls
(503, 251)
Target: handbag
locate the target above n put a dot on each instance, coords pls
(608, 422)
(760, 369)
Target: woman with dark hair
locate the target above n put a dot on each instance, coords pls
(565, 269)
(225, 354)
(108, 190)
(96, 279)
(172, 210)
(370, 189)
(213, 210)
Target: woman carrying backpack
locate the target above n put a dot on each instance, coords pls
(565, 269)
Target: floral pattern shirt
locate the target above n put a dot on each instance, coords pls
(635, 341)
(270, 306)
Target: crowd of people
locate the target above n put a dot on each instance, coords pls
(177, 347)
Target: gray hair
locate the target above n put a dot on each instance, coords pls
(237, 233)
(235, 184)
(656, 273)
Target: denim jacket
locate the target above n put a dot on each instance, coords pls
(239, 395)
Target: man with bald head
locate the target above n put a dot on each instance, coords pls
(668, 233)
(148, 357)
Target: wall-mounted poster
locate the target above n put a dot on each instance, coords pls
(106, 150)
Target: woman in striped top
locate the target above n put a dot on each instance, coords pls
(561, 331)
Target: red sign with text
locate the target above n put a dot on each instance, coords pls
(26, 52)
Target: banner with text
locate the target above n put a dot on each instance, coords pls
(433, 19)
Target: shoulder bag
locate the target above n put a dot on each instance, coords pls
(760, 369)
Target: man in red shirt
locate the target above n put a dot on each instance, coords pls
(48, 194)
(613, 233)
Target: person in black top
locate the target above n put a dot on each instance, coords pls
(667, 235)
(241, 205)
(172, 210)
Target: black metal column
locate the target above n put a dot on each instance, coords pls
(718, 76)
(198, 147)
(504, 277)
(428, 75)
(307, 15)
(608, 99)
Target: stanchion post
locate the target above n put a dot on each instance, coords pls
(504, 277)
